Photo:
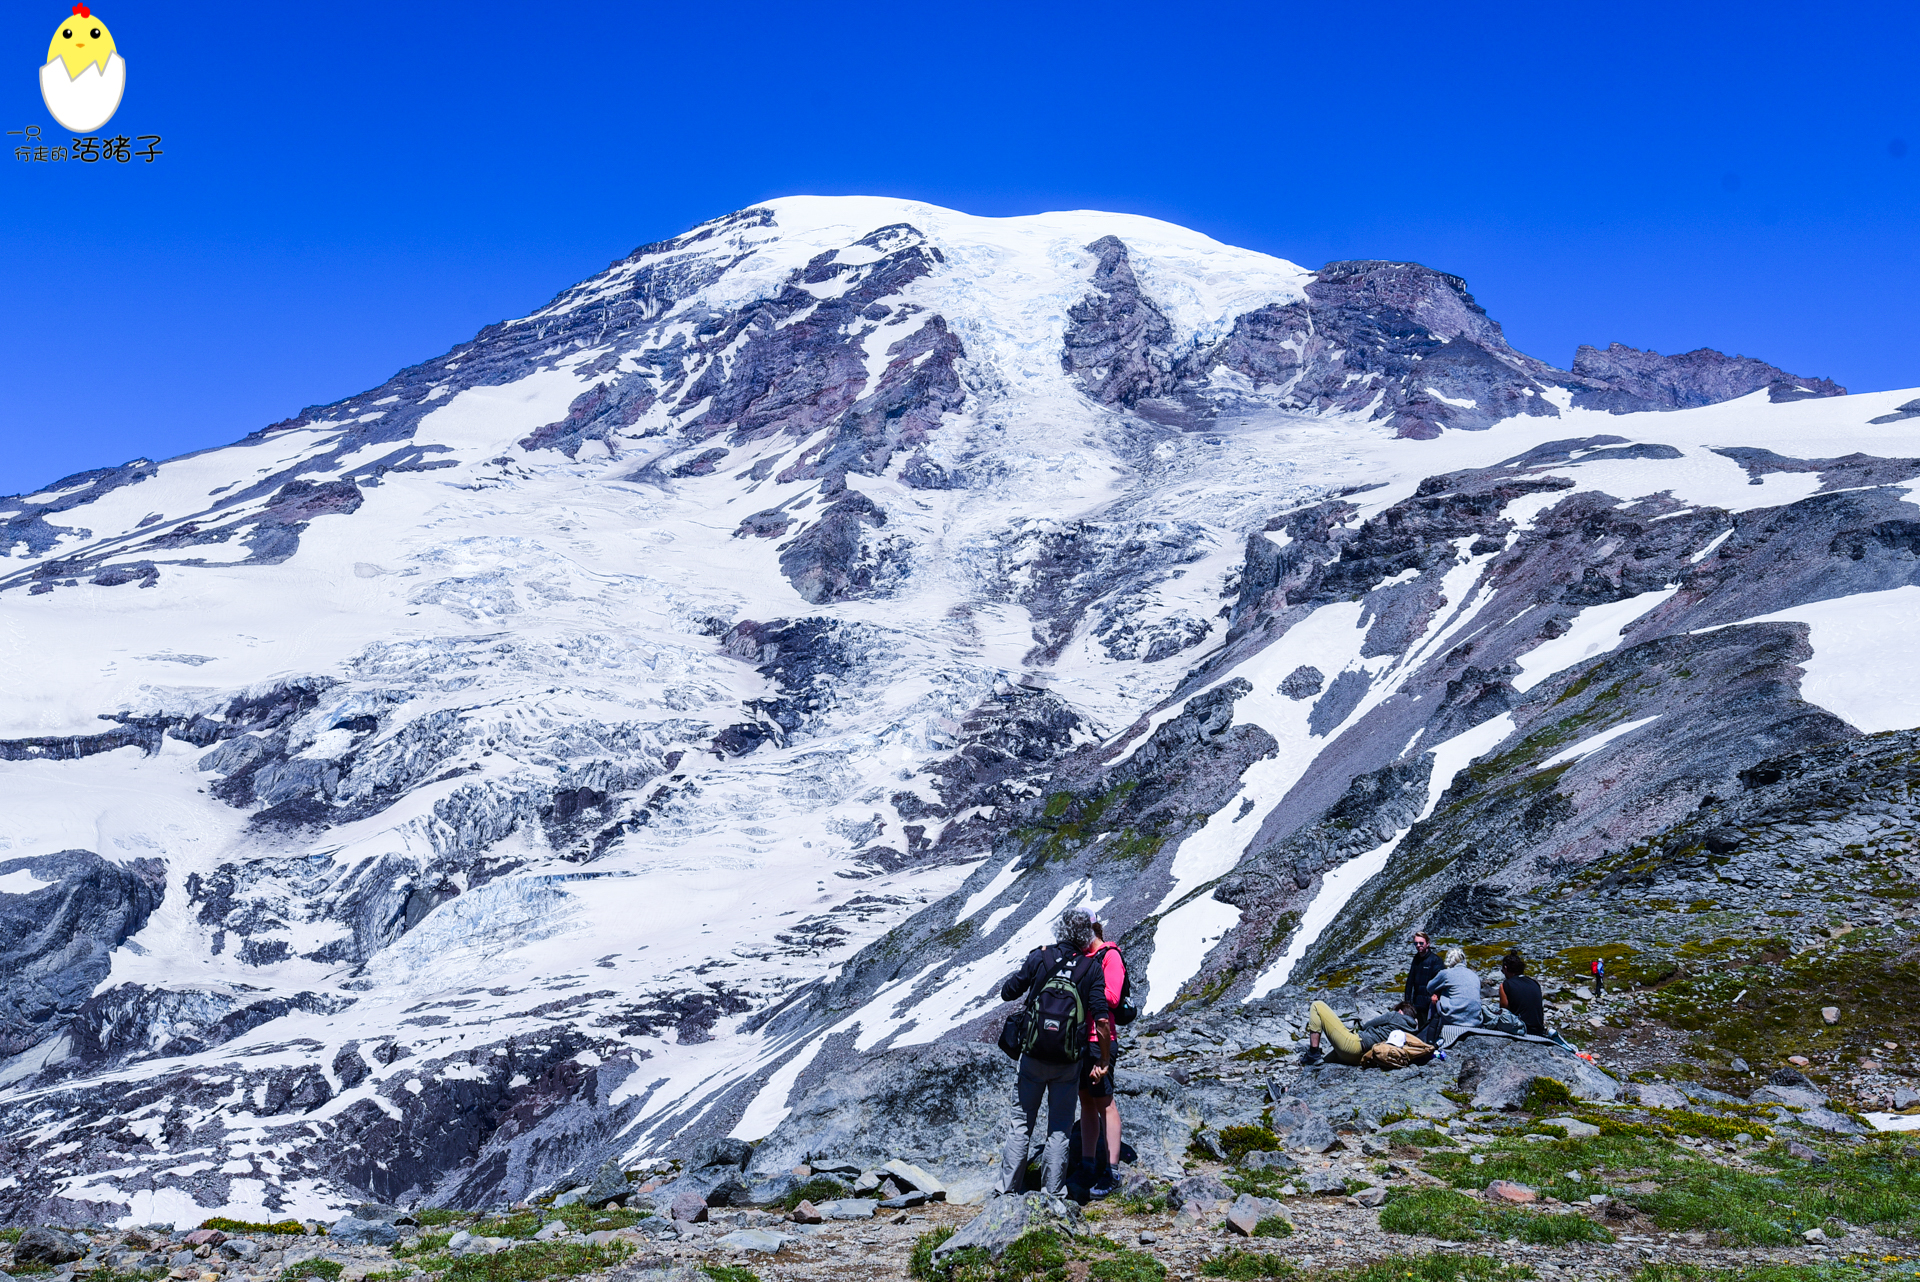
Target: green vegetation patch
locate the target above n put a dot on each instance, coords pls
(1239, 1141)
(1041, 1255)
(821, 1188)
(534, 1261)
(1250, 1266)
(729, 1273)
(329, 1270)
(233, 1228)
(1455, 1217)
(1273, 1226)
(435, 1216)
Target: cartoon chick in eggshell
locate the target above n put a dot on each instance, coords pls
(84, 76)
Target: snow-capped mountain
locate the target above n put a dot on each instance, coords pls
(592, 738)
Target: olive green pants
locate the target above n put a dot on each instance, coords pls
(1344, 1043)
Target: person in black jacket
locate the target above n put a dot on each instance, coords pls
(1420, 972)
(1041, 1076)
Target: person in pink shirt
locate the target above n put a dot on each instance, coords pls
(1099, 1110)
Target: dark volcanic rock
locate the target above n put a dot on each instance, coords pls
(55, 940)
(1629, 380)
(1117, 339)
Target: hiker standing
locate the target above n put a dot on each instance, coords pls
(1099, 1110)
(1420, 971)
(1066, 998)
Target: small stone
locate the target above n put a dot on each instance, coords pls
(1742, 1139)
(1242, 1220)
(1598, 1199)
(805, 1214)
(802, 1171)
(1815, 1235)
(1800, 1152)
(1798, 1061)
(460, 1241)
(1869, 1065)
(868, 1182)
(1478, 1159)
(1831, 1014)
(1148, 1239)
(1508, 1191)
(1739, 1065)
(1325, 1184)
(1905, 1097)
(1370, 1197)
(602, 1238)
(689, 1207)
(905, 1200)
(205, 1237)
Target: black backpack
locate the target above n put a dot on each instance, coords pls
(1052, 1026)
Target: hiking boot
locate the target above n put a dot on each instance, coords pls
(1311, 1056)
(1104, 1184)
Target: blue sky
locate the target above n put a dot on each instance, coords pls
(349, 188)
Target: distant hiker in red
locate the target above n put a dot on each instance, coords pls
(1066, 998)
(1099, 1110)
(1599, 977)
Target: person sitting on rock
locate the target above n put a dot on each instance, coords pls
(1350, 1046)
(1455, 994)
(1523, 1009)
(1068, 998)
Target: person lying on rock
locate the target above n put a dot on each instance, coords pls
(1350, 1046)
(1066, 998)
(1523, 1009)
(1454, 997)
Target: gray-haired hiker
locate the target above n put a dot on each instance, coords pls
(1066, 999)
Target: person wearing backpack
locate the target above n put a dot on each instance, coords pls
(1099, 1109)
(1066, 1001)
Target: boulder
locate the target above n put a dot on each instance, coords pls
(204, 1237)
(905, 1200)
(1247, 1211)
(761, 1241)
(383, 1213)
(1573, 1126)
(722, 1152)
(1374, 1196)
(45, 1246)
(1511, 1192)
(1797, 1096)
(805, 1213)
(1800, 1152)
(1656, 1095)
(1204, 1189)
(245, 1250)
(688, 1207)
(1500, 1071)
(610, 1184)
(909, 1176)
(353, 1231)
(848, 1208)
(1323, 1184)
(937, 1107)
(1006, 1218)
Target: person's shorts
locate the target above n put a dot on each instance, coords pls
(1103, 1089)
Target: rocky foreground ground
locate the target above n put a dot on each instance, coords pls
(1675, 1182)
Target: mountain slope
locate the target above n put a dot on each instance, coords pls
(592, 738)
